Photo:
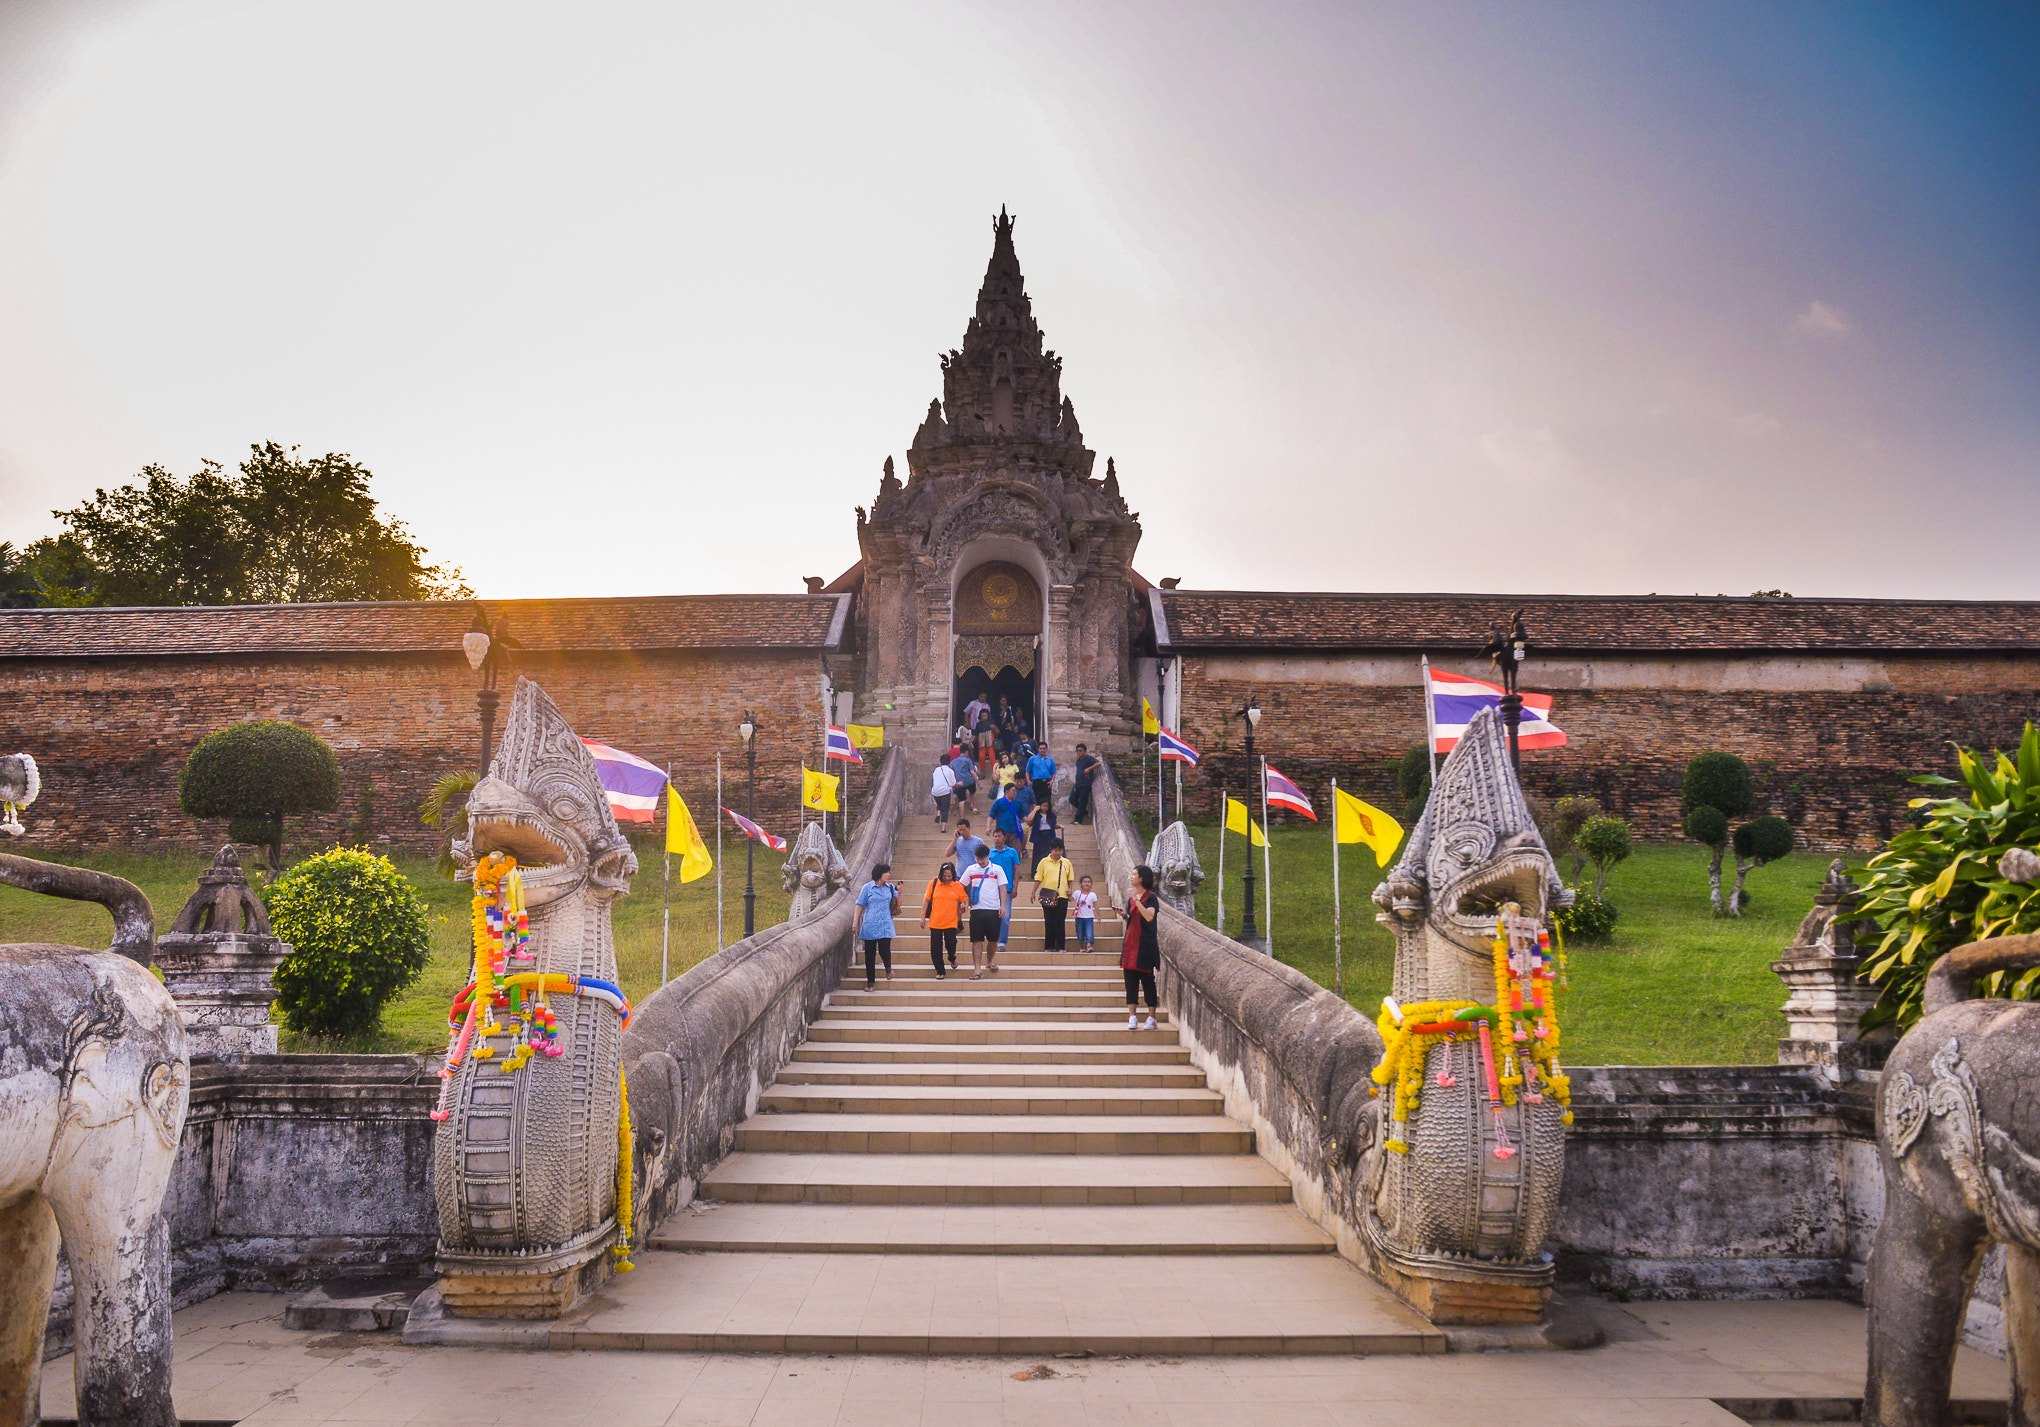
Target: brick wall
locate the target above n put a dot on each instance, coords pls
(111, 734)
(1832, 760)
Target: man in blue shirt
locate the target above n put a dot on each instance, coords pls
(963, 851)
(876, 902)
(1007, 816)
(1041, 772)
(965, 768)
(1007, 858)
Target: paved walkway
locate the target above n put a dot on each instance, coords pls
(1664, 1365)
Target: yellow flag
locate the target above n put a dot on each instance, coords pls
(1236, 820)
(1355, 821)
(865, 735)
(1148, 722)
(818, 790)
(683, 837)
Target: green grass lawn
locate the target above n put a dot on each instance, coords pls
(417, 1019)
(1674, 986)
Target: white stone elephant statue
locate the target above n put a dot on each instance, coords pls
(94, 1081)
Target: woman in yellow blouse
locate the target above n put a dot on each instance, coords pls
(1056, 875)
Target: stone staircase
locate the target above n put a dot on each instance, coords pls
(993, 1166)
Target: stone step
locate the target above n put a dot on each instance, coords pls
(995, 1135)
(707, 1227)
(1058, 1179)
(951, 1007)
(1104, 1100)
(985, 1305)
(974, 995)
(828, 1073)
(921, 973)
(1150, 1049)
(949, 1032)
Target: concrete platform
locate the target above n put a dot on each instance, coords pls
(790, 1178)
(981, 1229)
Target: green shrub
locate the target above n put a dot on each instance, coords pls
(1413, 781)
(1589, 918)
(258, 774)
(1937, 886)
(1605, 841)
(1718, 788)
(1719, 780)
(358, 935)
(1707, 826)
(1561, 831)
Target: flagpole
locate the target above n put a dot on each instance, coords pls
(1179, 724)
(1338, 961)
(1430, 719)
(666, 892)
(719, 942)
(1223, 805)
(1267, 865)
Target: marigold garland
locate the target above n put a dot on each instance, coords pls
(1528, 977)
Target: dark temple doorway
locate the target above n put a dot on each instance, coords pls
(1009, 683)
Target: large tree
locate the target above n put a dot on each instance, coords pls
(283, 529)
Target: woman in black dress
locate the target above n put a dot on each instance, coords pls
(1142, 956)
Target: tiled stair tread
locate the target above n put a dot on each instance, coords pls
(833, 1076)
(988, 1100)
(1155, 1051)
(942, 1032)
(989, 1228)
(994, 1170)
(996, 1134)
(854, 1007)
(1255, 1303)
(959, 998)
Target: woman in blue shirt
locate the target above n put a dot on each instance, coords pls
(877, 900)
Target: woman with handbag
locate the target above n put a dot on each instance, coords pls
(1142, 955)
(1055, 875)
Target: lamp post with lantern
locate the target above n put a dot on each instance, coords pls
(748, 730)
(1506, 651)
(1251, 712)
(486, 651)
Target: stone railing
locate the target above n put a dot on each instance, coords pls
(1291, 1059)
(699, 1051)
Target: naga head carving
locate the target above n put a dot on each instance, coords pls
(1178, 873)
(542, 802)
(1475, 848)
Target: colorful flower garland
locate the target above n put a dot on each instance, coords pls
(1525, 1010)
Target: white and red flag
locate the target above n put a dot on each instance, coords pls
(633, 785)
(839, 745)
(1284, 794)
(1175, 750)
(751, 829)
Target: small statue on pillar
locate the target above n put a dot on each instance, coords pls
(219, 962)
(1827, 1001)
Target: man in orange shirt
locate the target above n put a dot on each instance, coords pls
(940, 913)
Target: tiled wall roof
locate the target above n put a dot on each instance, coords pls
(650, 622)
(1249, 620)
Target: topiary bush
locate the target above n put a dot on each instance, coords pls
(1720, 787)
(1760, 840)
(358, 935)
(1589, 918)
(1413, 781)
(258, 774)
(1605, 841)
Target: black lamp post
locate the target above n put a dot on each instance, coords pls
(1506, 652)
(485, 655)
(1251, 712)
(749, 730)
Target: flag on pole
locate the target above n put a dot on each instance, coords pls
(1174, 749)
(866, 735)
(1355, 821)
(751, 829)
(1236, 820)
(632, 784)
(1284, 794)
(1455, 698)
(683, 837)
(818, 791)
(842, 745)
(1149, 724)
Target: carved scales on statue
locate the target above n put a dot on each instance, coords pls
(1465, 1186)
(526, 1167)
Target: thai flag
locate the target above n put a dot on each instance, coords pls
(751, 829)
(1455, 699)
(1175, 750)
(1284, 794)
(840, 746)
(633, 785)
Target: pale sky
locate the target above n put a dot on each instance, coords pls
(638, 297)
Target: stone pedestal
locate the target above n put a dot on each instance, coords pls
(1827, 1002)
(219, 963)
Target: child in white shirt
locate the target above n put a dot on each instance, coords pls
(1085, 905)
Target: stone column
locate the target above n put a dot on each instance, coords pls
(218, 962)
(1827, 1001)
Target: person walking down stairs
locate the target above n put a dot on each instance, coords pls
(1143, 954)
(946, 904)
(991, 901)
(877, 901)
(1055, 876)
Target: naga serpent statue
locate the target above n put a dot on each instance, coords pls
(814, 872)
(526, 1167)
(1178, 873)
(1465, 1182)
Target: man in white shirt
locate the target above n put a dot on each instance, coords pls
(991, 896)
(940, 789)
(973, 711)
